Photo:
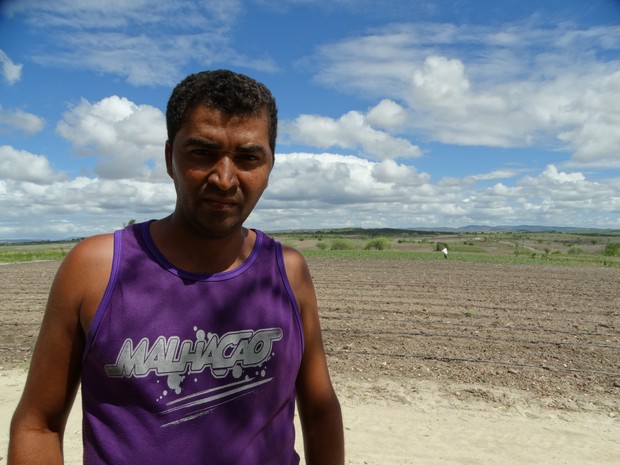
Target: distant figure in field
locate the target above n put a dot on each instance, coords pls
(445, 252)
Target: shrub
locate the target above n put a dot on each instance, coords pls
(575, 250)
(342, 244)
(378, 243)
(612, 250)
(322, 245)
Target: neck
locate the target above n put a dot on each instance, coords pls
(196, 253)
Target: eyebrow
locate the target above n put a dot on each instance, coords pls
(201, 142)
(208, 144)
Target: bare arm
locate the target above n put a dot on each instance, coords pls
(38, 423)
(319, 409)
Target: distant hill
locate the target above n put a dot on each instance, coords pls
(446, 230)
(528, 228)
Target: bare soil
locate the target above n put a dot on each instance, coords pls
(549, 332)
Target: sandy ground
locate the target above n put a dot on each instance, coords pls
(425, 427)
(441, 362)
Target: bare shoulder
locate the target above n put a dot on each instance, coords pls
(293, 258)
(89, 256)
(296, 266)
(84, 275)
(94, 248)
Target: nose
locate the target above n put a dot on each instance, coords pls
(223, 174)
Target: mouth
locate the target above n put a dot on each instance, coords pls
(220, 204)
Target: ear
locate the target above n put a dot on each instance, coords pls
(168, 151)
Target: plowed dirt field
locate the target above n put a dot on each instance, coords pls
(550, 331)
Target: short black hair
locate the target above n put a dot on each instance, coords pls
(229, 92)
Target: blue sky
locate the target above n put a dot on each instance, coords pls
(392, 114)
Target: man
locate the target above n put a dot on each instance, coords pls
(192, 336)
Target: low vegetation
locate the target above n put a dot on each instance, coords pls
(612, 250)
(602, 249)
(378, 243)
(560, 248)
(28, 252)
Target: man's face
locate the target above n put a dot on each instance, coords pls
(220, 165)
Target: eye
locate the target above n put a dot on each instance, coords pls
(249, 156)
(249, 159)
(202, 152)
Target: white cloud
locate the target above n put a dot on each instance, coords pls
(142, 59)
(525, 86)
(20, 120)
(553, 195)
(330, 190)
(440, 80)
(390, 171)
(127, 139)
(479, 178)
(497, 174)
(333, 179)
(353, 131)
(78, 207)
(11, 72)
(552, 173)
(309, 191)
(20, 165)
(85, 14)
(387, 115)
(596, 115)
(99, 36)
(470, 85)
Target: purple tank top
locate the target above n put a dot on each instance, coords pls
(182, 368)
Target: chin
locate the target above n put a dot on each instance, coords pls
(219, 230)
